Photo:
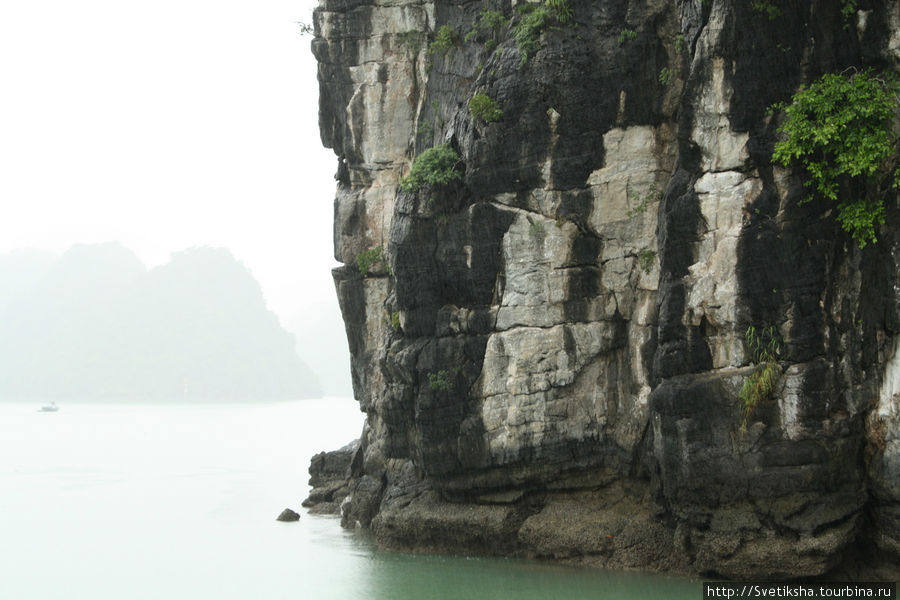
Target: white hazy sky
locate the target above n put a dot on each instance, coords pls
(166, 125)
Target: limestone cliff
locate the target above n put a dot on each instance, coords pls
(549, 350)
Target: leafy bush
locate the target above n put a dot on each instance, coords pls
(640, 207)
(434, 167)
(666, 75)
(366, 259)
(646, 258)
(484, 108)
(764, 349)
(491, 19)
(848, 7)
(488, 22)
(840, 129)
(533, 20)
(562, 10)
(444, 41)
(626, 35)
(441, 381)
(535, 17)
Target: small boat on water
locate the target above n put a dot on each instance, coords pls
(52, 407)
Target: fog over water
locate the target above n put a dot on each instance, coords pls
(140, 501)
(102, 501)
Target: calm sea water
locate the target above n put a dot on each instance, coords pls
(103, 502)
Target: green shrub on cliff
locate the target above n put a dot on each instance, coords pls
(626, 35)
(534, 19)
(435, 167)
(441, 381)
(666, 75)
(445, 40)
(368, 258)
(562, 10)
(489, 22)
(848, 7)
(646, 258)
(484, 108)
(840, 128)
(764, 348)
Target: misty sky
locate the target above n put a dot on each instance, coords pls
(168, 125)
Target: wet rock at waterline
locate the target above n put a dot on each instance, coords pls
(287, 515)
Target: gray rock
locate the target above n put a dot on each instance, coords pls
(330, 477)
(551, 355)
(287, 515)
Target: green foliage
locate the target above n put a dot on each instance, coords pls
(651, 196)
(680, 45)
(534, 18)
(646, 258)
(767, 8)
(491, 19)
(626, 35)
(764, 348)
(848, 7)
(840, 129)
(434, 167)
(366, 259)
(756, 388)
(484, 108)
(639, 209)
(488, 22)
(528, 30)
(445, 40)
(562, 10)
(441, 381)
(666, 75)
(395, 320)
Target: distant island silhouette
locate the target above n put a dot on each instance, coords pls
(96, 324)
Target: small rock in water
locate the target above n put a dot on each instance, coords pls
(288, 515)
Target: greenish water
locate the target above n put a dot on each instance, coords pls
(409, 577)
(104, 502)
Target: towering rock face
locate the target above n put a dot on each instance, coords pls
(549, 350)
